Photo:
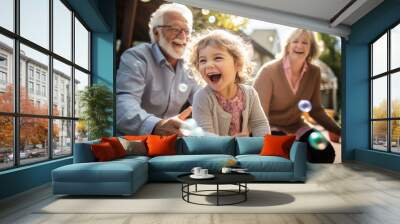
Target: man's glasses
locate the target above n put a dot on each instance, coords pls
(175, 30)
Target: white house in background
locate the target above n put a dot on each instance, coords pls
(267, 38)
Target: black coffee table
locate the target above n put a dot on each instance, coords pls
(238, 179)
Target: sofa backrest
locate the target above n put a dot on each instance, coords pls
(206, 145)
(249, 145)
(83, 153)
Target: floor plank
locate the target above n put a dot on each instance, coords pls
(375, 189)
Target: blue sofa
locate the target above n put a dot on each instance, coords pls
(125, 176)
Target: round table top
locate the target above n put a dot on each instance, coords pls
(220, 178)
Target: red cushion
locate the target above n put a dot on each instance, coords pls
(103, 151)
(276, 145)
(161, 145)
(116, 145)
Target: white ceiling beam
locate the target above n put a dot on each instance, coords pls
(347, 12)
(269, 15)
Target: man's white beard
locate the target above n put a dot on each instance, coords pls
(169, 49)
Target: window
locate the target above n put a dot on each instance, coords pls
(30, 87)
(43, 90)
(37, 74)
(385, 96)
(38, 89)
(3, 61)
(30, 72)
(39, 80)
(3, 72)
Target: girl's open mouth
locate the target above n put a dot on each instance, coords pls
(214, 78)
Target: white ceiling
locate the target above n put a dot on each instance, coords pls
(316, 15)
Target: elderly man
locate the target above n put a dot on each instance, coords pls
(152, 84)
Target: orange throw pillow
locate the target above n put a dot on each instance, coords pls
(116, 145)
(161, 145)
(135, 137)
(103, 152)
(276, 145)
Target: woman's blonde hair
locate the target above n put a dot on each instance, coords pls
(314, 50)
(234, 44)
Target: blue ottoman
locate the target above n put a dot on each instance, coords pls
(118, 177)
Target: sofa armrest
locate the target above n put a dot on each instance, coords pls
(83, 152)
(298, 155)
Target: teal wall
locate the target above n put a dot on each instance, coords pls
(356, 85)
(100, 17)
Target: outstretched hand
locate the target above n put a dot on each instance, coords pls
(171, 125)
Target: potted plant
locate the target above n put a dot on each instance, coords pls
(96, 102)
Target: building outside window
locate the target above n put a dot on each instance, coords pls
(385, 96)
(34, 75)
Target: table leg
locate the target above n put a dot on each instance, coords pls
(217, 194)
(245, 191)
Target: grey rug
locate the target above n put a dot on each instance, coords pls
(166, 198)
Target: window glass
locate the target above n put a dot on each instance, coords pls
(379, 98)
(6, 74)
(379, 135)
(35, 21)
(395, 95)
(81, 131)
(33, 140)
(7, 14)
(62, 141)
(379, 56)
(62, 29)
(6, 142)
(39, 62)
(81, 81)
(395, 47)
(62, 94)
(81, 45)
(395, 136)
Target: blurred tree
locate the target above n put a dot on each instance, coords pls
(380, 127)
(33, 130)
(207, 19)
(332, 56)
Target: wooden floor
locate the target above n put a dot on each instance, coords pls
(378, 189)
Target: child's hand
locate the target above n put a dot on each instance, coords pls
(242, 134)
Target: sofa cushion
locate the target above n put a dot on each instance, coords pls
(198, 145)
(249, 145)
(185, 163)
(277, 145)
(257, 163)
(134, 147)
(116, 145)
(161, 145)
(103, 152)
(97, 172)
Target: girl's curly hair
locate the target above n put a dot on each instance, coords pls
(234, 44)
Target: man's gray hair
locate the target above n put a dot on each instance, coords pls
(157, 18)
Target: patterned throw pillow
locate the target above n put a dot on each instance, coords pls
(133, 147)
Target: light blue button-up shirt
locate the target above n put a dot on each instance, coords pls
(148, 89)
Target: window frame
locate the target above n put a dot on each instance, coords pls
(51, 118)
(388, 74)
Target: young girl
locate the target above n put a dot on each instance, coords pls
(225, 106)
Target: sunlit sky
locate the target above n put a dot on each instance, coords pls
(283, 31)
(35, 27)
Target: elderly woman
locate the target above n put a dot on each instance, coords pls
(282, 84)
